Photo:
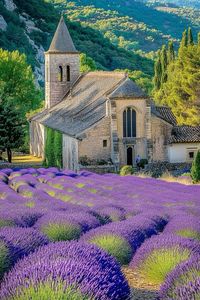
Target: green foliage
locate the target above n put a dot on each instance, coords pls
(189, 233)
(17, 86)
(53, 148)
(61, 232)
(11, 130)
(114, 245)
(195, 171)
(180, 91)
(160, 263)
(4, 259)
(49, 291)
(126, 170)
(5, 223)
(143, 162)
(134, 26)
(87, 63)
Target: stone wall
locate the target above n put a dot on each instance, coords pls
(99, 169)
(54, 89)
(161, 131)
(139, 144)
(91, 144)
(70, 153)
(37, 139)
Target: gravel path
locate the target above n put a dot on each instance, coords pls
(140, 290)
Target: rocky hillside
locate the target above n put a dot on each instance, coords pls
(27, 28)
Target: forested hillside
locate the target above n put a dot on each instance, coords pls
(132, 24)
(115, 34)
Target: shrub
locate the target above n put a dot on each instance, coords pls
(60, 267)
(21, 241)
(114, 245)
(4, 258)
(126, 170)
(183, 282)
(143, 162)
(61, 232)
(187, 226)
(157, 257)
(195, 171)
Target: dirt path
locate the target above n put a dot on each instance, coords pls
(140, 290)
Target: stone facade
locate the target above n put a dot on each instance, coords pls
(96, 148)
(161, 131)
(37, 139)
(55, 89)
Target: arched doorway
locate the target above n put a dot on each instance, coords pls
(129, 156)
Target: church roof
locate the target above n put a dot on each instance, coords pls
(185, 134)
(62, 41)
(84, 105)
(128, 89)
(165, 113)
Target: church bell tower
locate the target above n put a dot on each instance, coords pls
(62, 65)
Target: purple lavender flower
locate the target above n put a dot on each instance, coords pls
(21, 241)
(157, 257)
(86, 268)
(183, 281)
(184, 225)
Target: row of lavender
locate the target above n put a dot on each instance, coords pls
(115, 213)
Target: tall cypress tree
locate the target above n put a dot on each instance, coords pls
(183, 43)
(198, 38)
(190, 37)
(158, 73)
(164, 64)
(170, 52)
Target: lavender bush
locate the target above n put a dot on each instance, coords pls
(183, 282)
(157, 257)
(57, 268)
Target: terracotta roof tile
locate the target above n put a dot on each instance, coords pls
(185, 134)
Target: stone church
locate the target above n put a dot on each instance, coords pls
(104, 115)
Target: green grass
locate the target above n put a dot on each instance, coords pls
(189, 233)
(50, 291)
(30, 204)
(160, 262)
(4, 223)
(114, 245)
(61, 232)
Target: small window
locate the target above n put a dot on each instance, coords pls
(68, 73)
(105, 143)
(60, 74)
(191, 155)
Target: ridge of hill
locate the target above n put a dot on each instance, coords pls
(28, 26)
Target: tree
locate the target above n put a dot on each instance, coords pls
(17, 86)
(190, 37)
(11, 129)
(158, 73)
(182, 88)
(87, 63)
(164, 64)
(184, 43)
(170, 52)
(195, 171)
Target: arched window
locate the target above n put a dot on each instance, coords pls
(68, 73)
(60, 74)
(129, 122)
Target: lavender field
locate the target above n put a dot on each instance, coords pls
(97, 237)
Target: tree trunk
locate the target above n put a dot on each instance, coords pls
(9, 154)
